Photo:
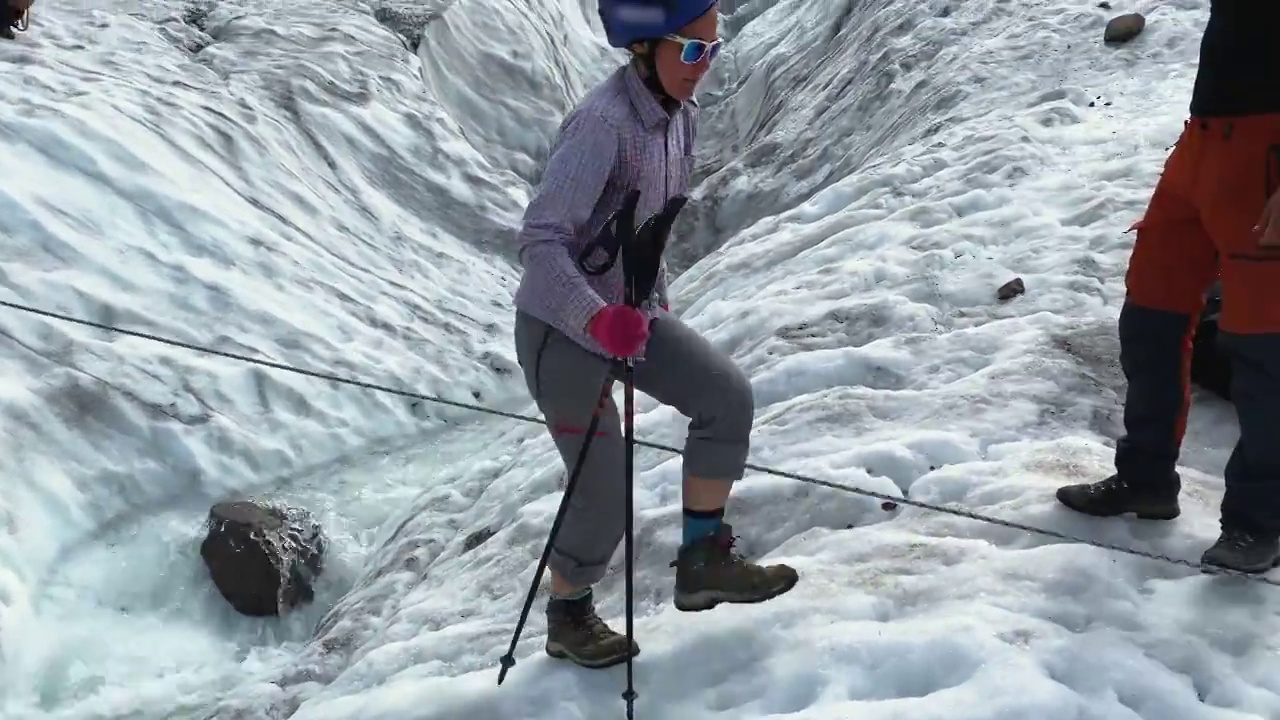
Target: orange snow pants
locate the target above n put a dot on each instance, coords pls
(1198, 227)
(1200, 222)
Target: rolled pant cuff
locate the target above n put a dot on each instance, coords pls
(711, 460)
(574, 571)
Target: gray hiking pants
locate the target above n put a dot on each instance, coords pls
(680, 369)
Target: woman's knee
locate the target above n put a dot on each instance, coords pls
(720, 435)
(738, 403)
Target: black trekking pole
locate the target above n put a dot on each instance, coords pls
(629, 432)
(617, 230)
(641, 263)
(509, 660)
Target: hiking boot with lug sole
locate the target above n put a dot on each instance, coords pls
(577, 634)
(1114, 496)
(709, 572)
(1242, 551)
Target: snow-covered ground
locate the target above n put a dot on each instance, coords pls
(289, 180)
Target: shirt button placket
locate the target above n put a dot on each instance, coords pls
(674, 160)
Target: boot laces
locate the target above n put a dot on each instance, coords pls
(1111, 485)
(721, 550)
(1239, 539)
(727, 545)
(725, 553)
(588, 621)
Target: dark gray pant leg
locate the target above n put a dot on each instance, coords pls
(1252, 498)
(1156, 404)
(565, 381)
(683, 370)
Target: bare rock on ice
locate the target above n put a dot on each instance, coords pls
(263, 558)
(407, 18)
(477, 538)
(1011, 289)
(1123, 28)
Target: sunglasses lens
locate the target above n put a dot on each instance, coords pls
(693, 52)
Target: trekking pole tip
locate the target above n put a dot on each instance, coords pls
(508, 662)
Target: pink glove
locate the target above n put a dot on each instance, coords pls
(620, 330)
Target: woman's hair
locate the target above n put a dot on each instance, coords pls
(646, 48)
(642, 57)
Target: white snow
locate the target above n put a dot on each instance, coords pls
(287, 180)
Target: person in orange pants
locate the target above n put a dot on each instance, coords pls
(1215, 210)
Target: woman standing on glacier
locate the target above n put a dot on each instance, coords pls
(633, 132)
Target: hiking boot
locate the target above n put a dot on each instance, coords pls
(709, 572)
(6, 32)
(577, 634)
(1242, 551)
(1114, 496)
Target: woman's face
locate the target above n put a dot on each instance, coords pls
(678, 78)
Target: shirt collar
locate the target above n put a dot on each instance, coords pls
(642, 98)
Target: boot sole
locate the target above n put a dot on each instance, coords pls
(708, 599)
(559, 652)
(1210, 569)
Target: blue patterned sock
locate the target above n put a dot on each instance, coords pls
(699, 524)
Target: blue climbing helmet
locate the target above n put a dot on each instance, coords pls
(630, 21)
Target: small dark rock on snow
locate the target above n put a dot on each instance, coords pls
(1123, 28)
(263, 558)
(1011, 289)
(476, 539)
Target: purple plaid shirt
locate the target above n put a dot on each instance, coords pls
(618, 138)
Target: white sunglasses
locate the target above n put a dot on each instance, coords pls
(692, 50)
